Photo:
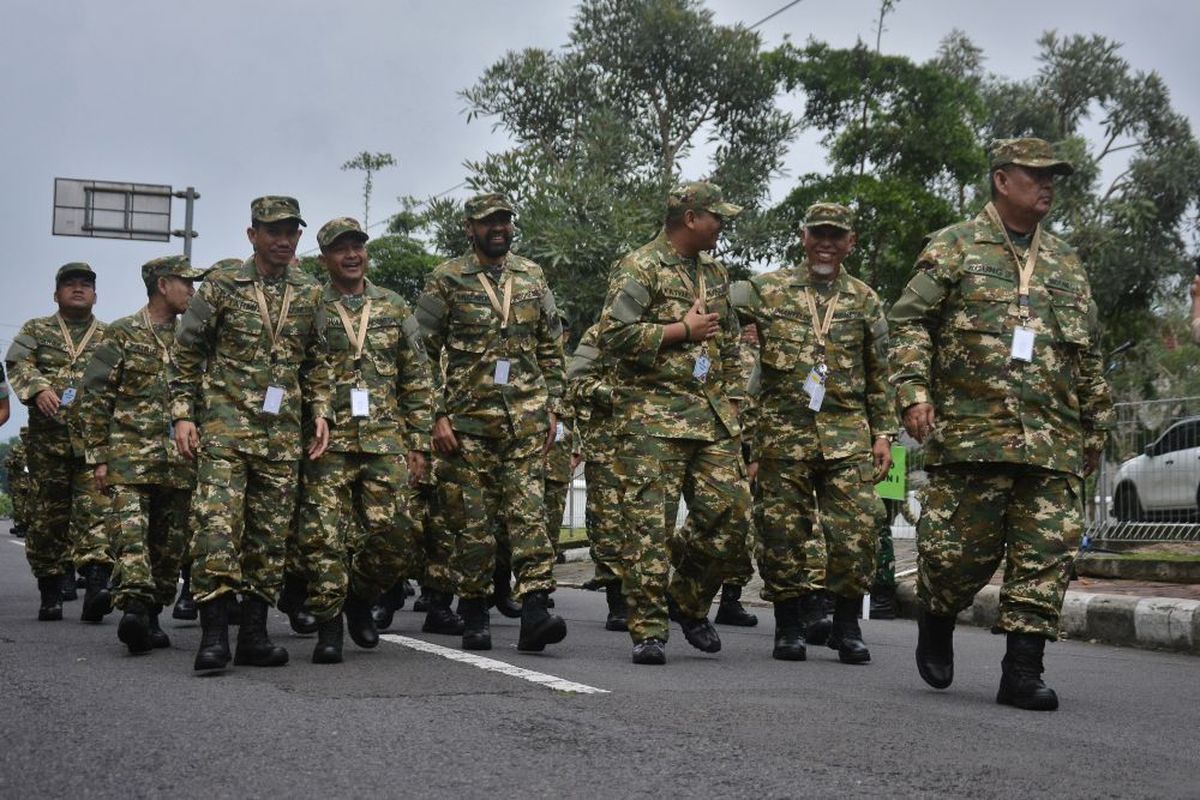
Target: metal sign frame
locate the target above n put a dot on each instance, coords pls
(112, 210)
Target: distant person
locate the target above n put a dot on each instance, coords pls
(998, 370)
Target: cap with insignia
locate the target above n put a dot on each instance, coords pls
(169, 266)
(1029, 152)
(483, 205)
(835, 215)
(72, 269)
(275, 208)
(341, 226)
(702, 196)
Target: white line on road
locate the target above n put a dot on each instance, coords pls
(18, 541)
(492, 665)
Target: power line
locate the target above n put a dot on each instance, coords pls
(774, 14)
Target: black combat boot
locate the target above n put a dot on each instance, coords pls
(700, 633)
(359, 622)
(391, 601)
(254, 646)
(134, 628)
(650, 651)
(883, 601)
(618, 609)
(477, 629)
(731, 611)
(439, 618)
(233, 610)
(850, 647)
(70, 589)
(17, 531)
(185, 605)
(51, 589)
(291, 602)
(421, 604)
(214, 636)
(789, 631)
(538, 626)
(158, 637)
(935, 648)
(329, 641)
(97, 599)
(502, 594)
(1021, 682)
(818, 628)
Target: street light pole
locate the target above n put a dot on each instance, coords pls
(189, 195)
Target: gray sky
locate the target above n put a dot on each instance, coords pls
(241, 99)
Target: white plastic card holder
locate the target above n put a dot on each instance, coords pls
(273, 401)
(500, 376)
(1022, 344)
(360, 403)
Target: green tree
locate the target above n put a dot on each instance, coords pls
(368, 164)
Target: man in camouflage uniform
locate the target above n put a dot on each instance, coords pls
(246, 364)
(125, 414)
(496, 410)
(45, 367)
(20, 485)
(996, 352)
(668, 326)
(381, 416)
(590, 390)
(822, 435)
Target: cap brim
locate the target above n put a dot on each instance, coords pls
(487, 212)
(1055, 165)
(727, 210)
(827, 223)
(359, 235)
(191, 274)
(87, 273)
(281, 218)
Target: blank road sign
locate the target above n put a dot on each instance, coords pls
(112, 210)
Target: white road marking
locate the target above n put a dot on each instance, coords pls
(492, 665)
(18, 541)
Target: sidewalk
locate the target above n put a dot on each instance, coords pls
(1148, 614)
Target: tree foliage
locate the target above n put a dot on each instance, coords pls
(368, 163)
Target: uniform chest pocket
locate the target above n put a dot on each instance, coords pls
(143, 372)
(383, 344)
(786, 345)
(985, 299)
(847, 331)
(526, 309)
(1071, 318)
(241, 336)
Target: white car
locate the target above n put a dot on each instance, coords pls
(1163, 482)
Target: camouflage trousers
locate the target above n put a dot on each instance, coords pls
(147, 524)
(22, 491)
(885, 560)
(802, 554)
(492, 482)
(602, 516)
(242, 512)
(556, 506)
(972, 518)
(431, 566)
(711, 477)
(355, 530)
(743, 567)
(67, 519)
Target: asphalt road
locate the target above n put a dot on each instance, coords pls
(80, 717)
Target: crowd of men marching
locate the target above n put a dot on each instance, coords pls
(311, 446)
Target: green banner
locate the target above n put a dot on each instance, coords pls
(892, 487)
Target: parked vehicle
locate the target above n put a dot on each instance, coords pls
(1163, 482)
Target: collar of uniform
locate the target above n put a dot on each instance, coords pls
(668, 256)
(248, 273)
(509, 263)
(372, 291)
(987, 232)
(799, 277)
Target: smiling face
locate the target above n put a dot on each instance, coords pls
(346, 260)
(275, 242)
(491, 236)
(826, 247)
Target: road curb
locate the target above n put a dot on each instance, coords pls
(1152, 623)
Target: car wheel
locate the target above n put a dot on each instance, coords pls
(1126, 505)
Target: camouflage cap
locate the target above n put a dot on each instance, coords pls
(74, 268)
(227, 262)
(833, 214)
(702, 196)
(340, 226)
(275, 208)
(1029, 152)
(169, 266)
(483, 205)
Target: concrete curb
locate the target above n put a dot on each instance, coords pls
(1153, 623)
(1114, 565)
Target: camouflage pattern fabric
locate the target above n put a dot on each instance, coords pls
(432, 565)
(147, 524)
(491, 482)
(67, 523)
(344, 493)
(125, 410)
(603, 518)
(802, 554)
(242, 512)
(558, 484)
(712, 479)
(20, 482)
(975, 517)
(457, 318)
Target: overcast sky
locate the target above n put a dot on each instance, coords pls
(241, 98)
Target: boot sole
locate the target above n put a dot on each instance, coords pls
(246, 661)
(789, 655)
(186, 614)
(854, 659)
(210, 666)
(553, 632)
(654, 660)
(50, 616)
(929, 679)
(326, 659)
(477, 644)
(616, 625)
(1005, 698)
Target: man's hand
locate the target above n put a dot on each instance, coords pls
(187, 439)
(918, 421)
(100, 475)
(416, 466)
(576, 460)
(752, 472)
(1091, 460)
(444, 441)
(47, 402)
(881, 451)
(551, 434)
(700, 327)
(320, 440)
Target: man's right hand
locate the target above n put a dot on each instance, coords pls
(187, 439)
(700, 327)
(47, 402)
(444, 441)
(918, 421)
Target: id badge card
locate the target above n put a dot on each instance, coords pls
(500, 377)
(1022, 344)
(700, 369)
(560, 431)
(273, 400)
(360, 403)
(68, 396)
(814, 386)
